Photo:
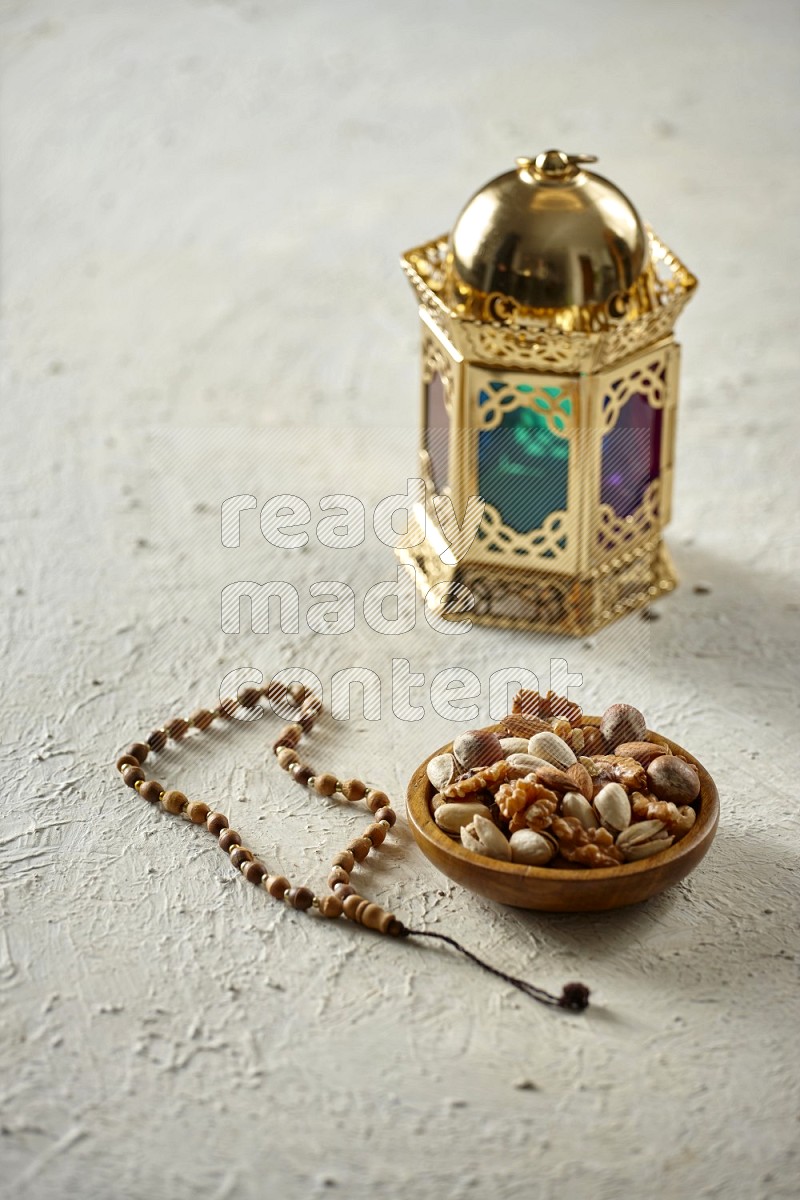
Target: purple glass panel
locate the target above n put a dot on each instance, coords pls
(631, 456)
(437, 432)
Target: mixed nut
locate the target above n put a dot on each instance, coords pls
(557, 790)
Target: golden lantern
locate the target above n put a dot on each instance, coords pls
(549, 387)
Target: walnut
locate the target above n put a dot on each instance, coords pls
(612, 768)
(561, 728)
(533, 704)
(593, 740)
(518, 794)
(536, 816)
(678, 821)
(483, 778)
(589, 847)
(577, 740)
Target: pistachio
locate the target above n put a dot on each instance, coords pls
(672, 778)
(452, 817)
(575, 805)
(613, 807)
(514, 745)
(481, 836)
(645, 849)
(623, 723)
(643, 839)
(532, 848)
(442, 771)
(521, 765)
(642, 831)
(477, 748)
(553, 749)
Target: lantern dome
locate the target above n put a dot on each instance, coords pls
(550, 235)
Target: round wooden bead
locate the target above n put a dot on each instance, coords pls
(139, 750)
(216, 823)
(386, 814)
(286, 756)
(338, 875)
(228, 839)
(325, 784)
(254, 872)
(240, 855)
(275, 691)
(176, 728)
(330, 906)
(289, 736)
(301, 773)
(157, 740)
(298, 693)
(278, 886)
(227, 708)
(376, 800)
(126, 760)
(300, 898)
(311, 706)
(132, 775)
(173, 801)
(306, 721)
(360, 848)
(376, 834)
(151, 790)
(197, 812)
(249, 697)
(201, 719)
(345, 860)
(354, 789)
(342, 890)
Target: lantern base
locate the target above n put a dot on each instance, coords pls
(514, 598)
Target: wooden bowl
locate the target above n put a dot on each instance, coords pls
(551, 889)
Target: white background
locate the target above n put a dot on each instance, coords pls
(202, 209)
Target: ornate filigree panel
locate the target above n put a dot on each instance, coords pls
(615, 532)
(647, 379)
(555, 404)
(435, 361)
(524, 601)
(440, 359)
(566, 340)
(558, 604)
(548, 541)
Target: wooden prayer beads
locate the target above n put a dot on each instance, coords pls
(344, 900)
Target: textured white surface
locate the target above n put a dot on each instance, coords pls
(202, 208)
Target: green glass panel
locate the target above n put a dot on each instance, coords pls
(523, 467)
